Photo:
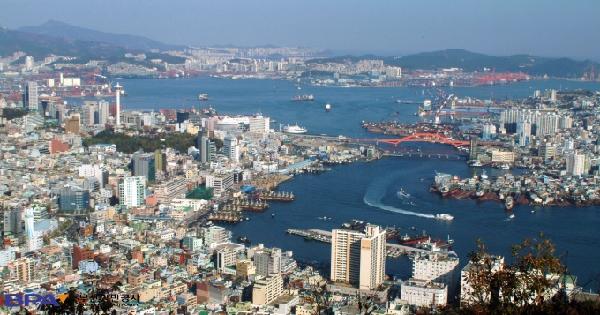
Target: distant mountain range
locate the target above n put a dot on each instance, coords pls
(471, 61)
(67, 31)
(77, 43)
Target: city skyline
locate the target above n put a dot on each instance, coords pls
(384, 28)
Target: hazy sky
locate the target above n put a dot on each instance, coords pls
(542, 27)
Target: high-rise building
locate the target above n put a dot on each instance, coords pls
(215, 235)
(524, 133)
(422, 293)
(473, 148)
(259, 124)
(576, 164)
(72, 124)
(219, 182)
(143, 164)
(13, 223)
(358, 258)
(268, 261)
(547, 151)
(73, 200)
(118, 91)
(207, 148)
(30, 96)
(29, 63)
(132, 191)
(231, 148)
(34, 242)
(103, 112)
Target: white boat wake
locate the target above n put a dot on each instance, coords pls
(376, 192)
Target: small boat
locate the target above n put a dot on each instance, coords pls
(511, 216)
(272, 215)
(402, 194)
(476, 164)
(203, 97)
(444, 217)
(303, 98)
(328, 107)
(505, 167)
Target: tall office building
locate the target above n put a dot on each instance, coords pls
(207, 149)
(143, 164)
(132, 191)
(524, 133)
(103, 112)
(473, 148)
(268, 261)
(358, 258)
(231, 148)
(73, 200)
(576, 164)
(30, 96)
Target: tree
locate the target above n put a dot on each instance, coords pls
(528, 282)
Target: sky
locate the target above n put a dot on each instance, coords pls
(391, 27)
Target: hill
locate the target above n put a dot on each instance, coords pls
(70, 32)
(40, 46)
(471, 61)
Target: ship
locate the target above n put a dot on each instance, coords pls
(294, 129)
(303, 98)
(444, 217)
(402, 194)
(509, 203)
(203, 97)
(327, 107)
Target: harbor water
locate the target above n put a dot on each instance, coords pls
(368, 191)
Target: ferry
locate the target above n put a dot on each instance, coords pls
(203, 97)
(444, 217)
(295, 129)
(303, 98)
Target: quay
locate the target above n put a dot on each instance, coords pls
(428, 155)
(393, 250)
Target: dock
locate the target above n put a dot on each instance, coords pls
(393, 250)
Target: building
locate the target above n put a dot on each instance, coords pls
(72, 124)
(268, 261)
(143, 164)
(547, 151)
(231, 148)
(358, 258)
(259, 124)
(207, 148)
(22, 269)
(132, 191)
(473, 148)
(506, 157)
(226, 257)
(103, 112)
(118, 92)
(436, 267)
(215, 235)
(30, 97)
(267, 289)
(576, 164)
(245, 269)
(524, 133)
(423, 293)
(219, 182)
(73, 200)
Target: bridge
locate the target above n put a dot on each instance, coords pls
(430, 137)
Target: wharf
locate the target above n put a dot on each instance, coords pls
(393, 250)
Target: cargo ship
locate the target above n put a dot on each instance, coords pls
(303, 98)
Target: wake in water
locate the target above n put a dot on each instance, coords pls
(376, 192)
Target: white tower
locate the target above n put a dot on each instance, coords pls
(33, 243)
(118, 90)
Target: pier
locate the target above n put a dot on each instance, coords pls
(393, 250)
(426, 155)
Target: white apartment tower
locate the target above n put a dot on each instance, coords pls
(358, 258)
(132, 191)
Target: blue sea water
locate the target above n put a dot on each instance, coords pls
(367, 191)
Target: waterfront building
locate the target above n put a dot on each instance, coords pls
(267, 289)
(358, 258)
(215, 235)
(220, 182)
(132, 191)
(259, 124)
(473, 148)
(226, 257)
(30, 97)
(423, 293)
(576, 164)
(437, 267)
(499, 156)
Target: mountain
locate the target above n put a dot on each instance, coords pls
(70, 32)
(471, 61)
(40, 46)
